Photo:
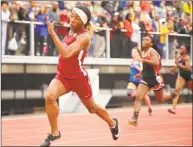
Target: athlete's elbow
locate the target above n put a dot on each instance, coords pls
(187, 69)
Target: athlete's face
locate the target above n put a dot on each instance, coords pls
(134, 53)
(75, 21)
(147, 42)
(183, 50)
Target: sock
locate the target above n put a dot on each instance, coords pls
(136, 115)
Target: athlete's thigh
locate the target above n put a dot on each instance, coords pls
(56, 89)
(142, 90)
(180, 83)
(89, 103)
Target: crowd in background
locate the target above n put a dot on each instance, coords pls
(126, 18)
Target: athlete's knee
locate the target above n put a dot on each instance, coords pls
(174, 92)
(92, 109)
(50, 98)
(129, 92)
(139, 96)
(178, 90)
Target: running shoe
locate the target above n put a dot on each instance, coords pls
(115, 130)
(133, 121)
(150, 111)
(172, 111)
(49, 139)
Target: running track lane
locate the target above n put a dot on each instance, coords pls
(161, 129)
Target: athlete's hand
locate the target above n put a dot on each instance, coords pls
(176, 62)
(138, 76)
(139, 59)
(50, 25)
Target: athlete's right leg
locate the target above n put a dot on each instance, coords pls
(131, 93)
(142, 90)
(180, 83)
(54, 91)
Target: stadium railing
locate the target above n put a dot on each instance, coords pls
(89, 60)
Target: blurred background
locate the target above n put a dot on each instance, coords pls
(29, 56)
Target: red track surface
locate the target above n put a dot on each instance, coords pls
(161, 129)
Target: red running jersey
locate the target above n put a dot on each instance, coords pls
(72, 67)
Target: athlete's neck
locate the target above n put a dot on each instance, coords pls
(146, 49)
(183, 54)
(77, 30)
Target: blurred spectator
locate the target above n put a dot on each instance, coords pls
(104, 14)
(64, 22)
(127, 42)
(61, 5)
(109, 6)
(156, 27)
(157, 3)
(24, 29)
(70, 5)
(173, 48)
(145, 6)
(169, 3)
(54, 16)
(128, 26)
(99, 44)
(5, 13)
(163, 30)
(142, 20)
(178, 5)
(148, 24)
(171, 39)
(187, 7)
(131, 11)
(189, 27)
(183, 26)
(136, 31)
(176, 24)
(136, 8)
(122, 5)
(160, 11)
(170, 25)
(41, 31)
(30, 11)
(117, 36)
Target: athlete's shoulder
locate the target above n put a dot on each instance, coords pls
(84, 35)
(186, 57)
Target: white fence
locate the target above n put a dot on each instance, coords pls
(98, 61)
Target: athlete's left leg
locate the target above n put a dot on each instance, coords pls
(92, 107)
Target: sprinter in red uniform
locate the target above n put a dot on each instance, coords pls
(151, 78)
(71, 75)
